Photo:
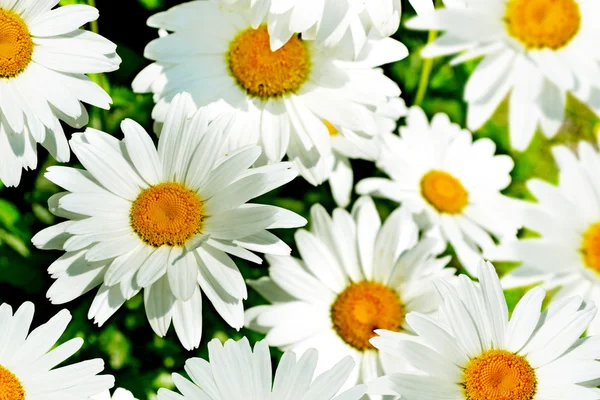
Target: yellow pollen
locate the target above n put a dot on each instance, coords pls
(264, 73)
(330, 128)
(167, 214)
(16, 45)
(499, 375)
(540, 24)
(444, 192)
(363, 307)
(590, 247)
(10, 386)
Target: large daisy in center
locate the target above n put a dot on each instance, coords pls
(278, 99)
(439, 172)
(163, 221)
(356, 275)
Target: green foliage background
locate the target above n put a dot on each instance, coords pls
(140, 361)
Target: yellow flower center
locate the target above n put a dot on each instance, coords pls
(167, 214)
(444, 192)
(540, 24)
(16, 45)
(590, 247)
(363, 307)
(264, 73)
(499, 375)
(330, 128)
(10, 386)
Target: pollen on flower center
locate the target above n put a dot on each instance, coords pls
(499, 375)
(167, 214)
(16, 45)
(10, 386)
(444, 192)
(363, 307)
(540, 24)
(264, 73)
(590, 247)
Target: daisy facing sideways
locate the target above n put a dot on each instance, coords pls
(534, 51)
(28, 360)
(235, 372)
(566, 217)
(328, 22)
(336, 168)
(355, 276)
(163, 221)
(44, 57)
(281, 100)
(437, 171)
(474, 352)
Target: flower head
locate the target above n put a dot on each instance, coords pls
(163, 220)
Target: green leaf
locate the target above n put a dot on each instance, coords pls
(9, 214)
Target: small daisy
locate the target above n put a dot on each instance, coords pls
(44, 57)
(28, 360)
(119, 394)
(567, 219)
(536, 50)
(355, 276)
(337, 168)
(280, 100)
(473, 352)
(163, 221)
(438, 171)
(235, 372)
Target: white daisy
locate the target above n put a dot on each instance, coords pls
(475, 353)
(355, 276)
(163, 221)
(567, 219)
(119, 394)
(44, 57)
(438, 171)
(280, 99)
(28, 360)
(235, 372)
(536, 50)
(337, 168)
(329, 22)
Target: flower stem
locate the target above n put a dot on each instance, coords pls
(427, 67)
(425, 73)
(93, 24)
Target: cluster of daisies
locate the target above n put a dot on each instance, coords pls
(371, 307)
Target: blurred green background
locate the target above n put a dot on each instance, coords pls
(140, 361)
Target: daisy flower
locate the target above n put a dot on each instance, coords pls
(567, 219)
(44, 57)
(163, 221)
(279, 99)
(235, 372)
(536, 50)
(473, 352)
(119, 394)
(28, 360)
(337, 168)
(437, 171)
(329, 22)
(355, 276)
